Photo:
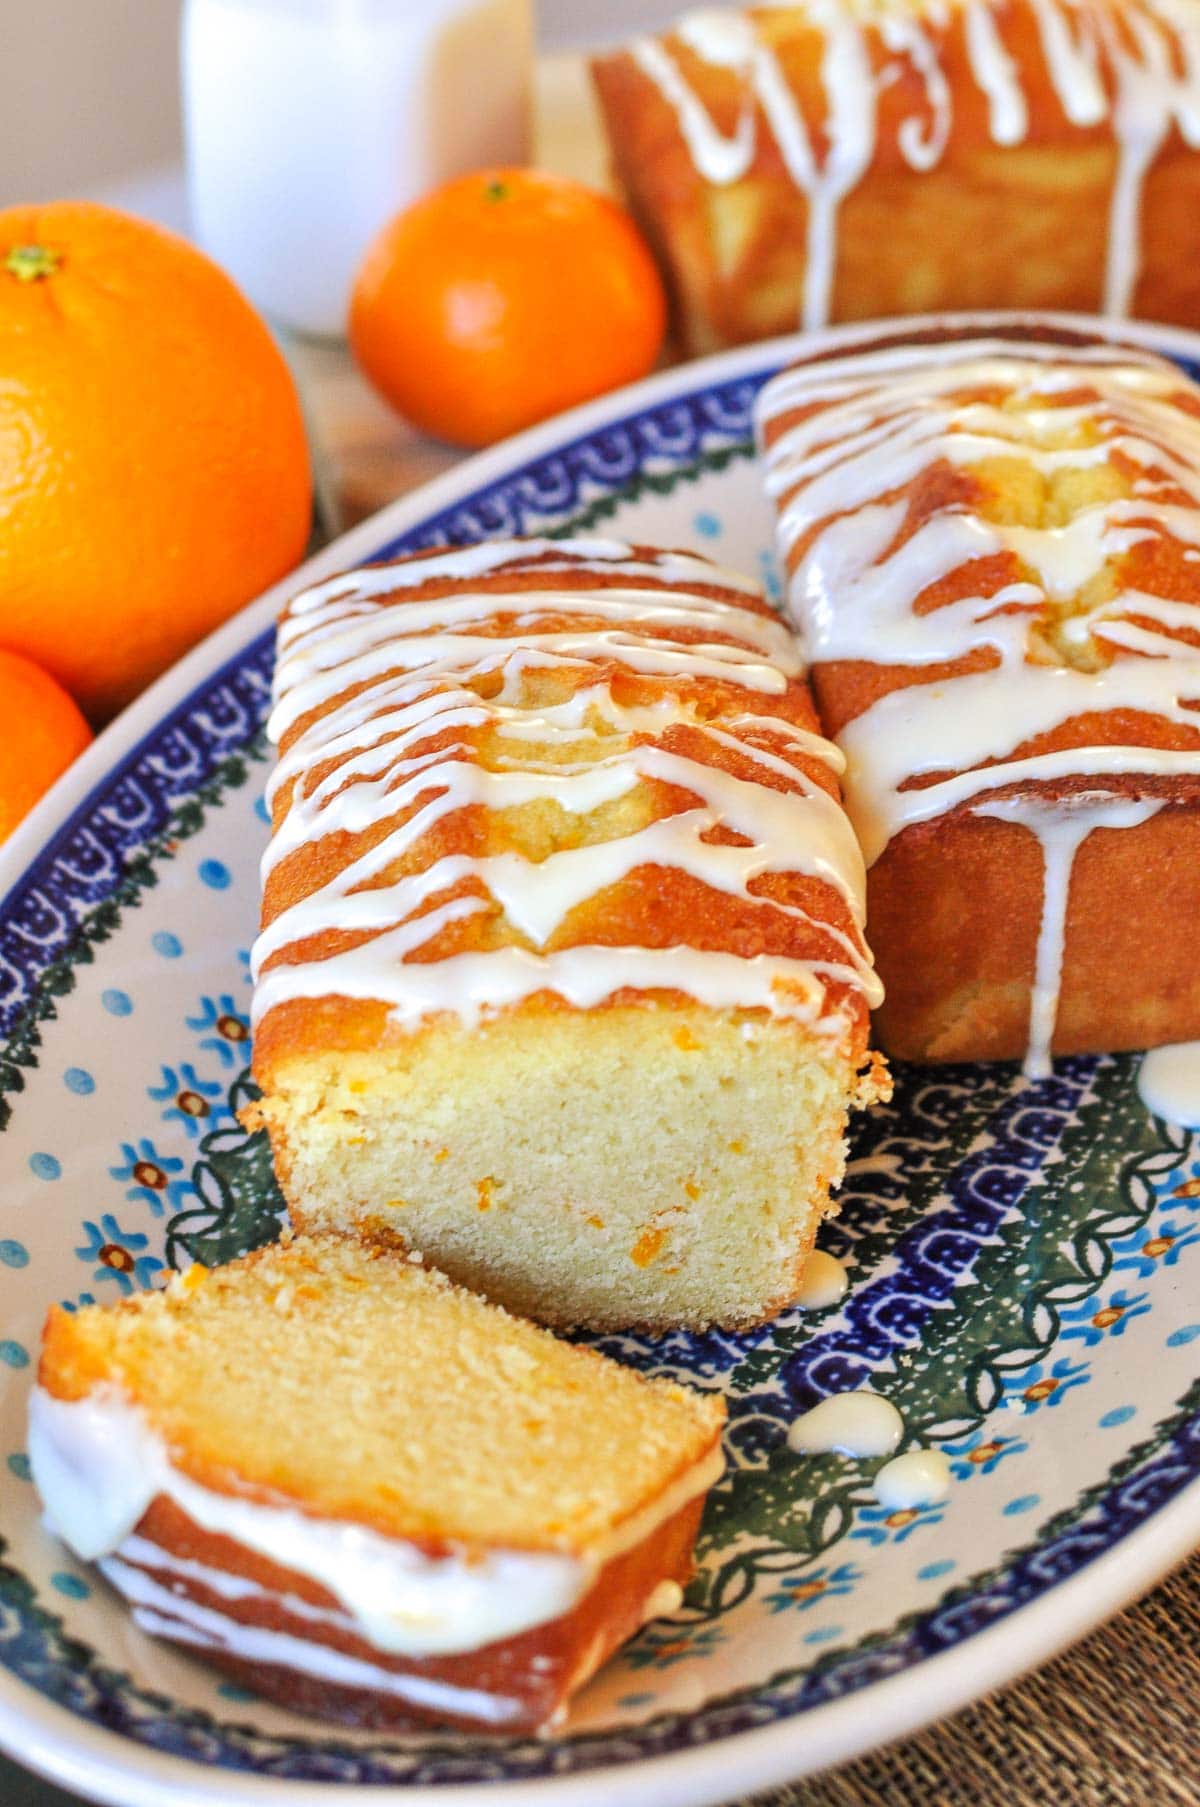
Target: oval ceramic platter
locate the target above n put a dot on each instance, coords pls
(1024, 1262)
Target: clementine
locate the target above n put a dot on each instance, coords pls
(43, 732)
(153, 464)
(504, 297)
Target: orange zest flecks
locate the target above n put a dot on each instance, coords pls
(647, 1246)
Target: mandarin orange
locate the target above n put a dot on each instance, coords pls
(153, 464)
(502, 298)
(44, 731)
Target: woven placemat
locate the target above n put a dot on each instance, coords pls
(1114, 1722)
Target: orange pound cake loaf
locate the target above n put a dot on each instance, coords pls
(994, 555)
(561, 974)
(849, 159)
(365, 1493)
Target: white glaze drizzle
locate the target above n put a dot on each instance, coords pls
(917, 1478)
(166, 1614)
(878, 421)
(1147, 52)
(1060, 830)
(996, 73)
(98, 1464)
(861, 1424)
(1169, 1083)
(823, 1282)
(369, 582)
(142, 1554)
(369, 680)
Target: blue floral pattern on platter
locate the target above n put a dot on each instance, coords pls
(1015, 1250)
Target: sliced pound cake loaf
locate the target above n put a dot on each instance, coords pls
(562, 973)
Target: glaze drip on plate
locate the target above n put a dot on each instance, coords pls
(823, 1283)
(1169, 1083)
(865, 1426)
(860, 1424)
(888, 468)
(1132, 64)
(416, 699)
(916, 1478)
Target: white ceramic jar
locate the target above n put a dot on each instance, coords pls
(310, 122)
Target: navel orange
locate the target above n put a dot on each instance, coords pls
(43, 732)
(502, 298)
(153, 465)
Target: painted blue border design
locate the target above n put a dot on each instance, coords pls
(1137, 1490)
(84, 865)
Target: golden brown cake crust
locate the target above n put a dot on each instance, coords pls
(956, 903)
(980, 223)
(956, 911)
(652, 906)
(536, 1672)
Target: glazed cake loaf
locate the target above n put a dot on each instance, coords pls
(561, 974)
(364, 1493)
(851, 159)
(994, 557)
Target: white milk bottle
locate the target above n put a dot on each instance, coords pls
(310, 122)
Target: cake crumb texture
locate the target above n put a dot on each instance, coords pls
(342, 1376)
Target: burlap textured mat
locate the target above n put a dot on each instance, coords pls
(1115, 1722)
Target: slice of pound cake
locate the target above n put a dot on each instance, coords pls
(365, 1493)
(562, 974)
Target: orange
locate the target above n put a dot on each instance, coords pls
(153, 465)
(43, 732)
(502, 298)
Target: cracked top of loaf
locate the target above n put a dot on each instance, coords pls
(546, 775)
(993, 547)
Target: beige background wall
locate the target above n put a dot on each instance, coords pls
(90, 93)
(90, 88)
